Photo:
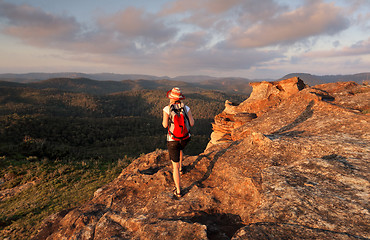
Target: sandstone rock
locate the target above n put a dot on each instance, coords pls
(265, 231)
(312, 106)
(264, 97)
(299, 170)
(230, 108)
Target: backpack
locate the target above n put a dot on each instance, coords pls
(179, 125)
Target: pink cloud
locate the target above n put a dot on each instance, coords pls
(313, 19)
(202, 13)
(120, 33)
(208, 6)
(35, 26)
(136, 23)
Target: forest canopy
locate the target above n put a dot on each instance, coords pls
(58, 124)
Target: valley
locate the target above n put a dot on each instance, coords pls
(62, 136)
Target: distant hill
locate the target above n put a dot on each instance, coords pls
(202, 79)
(33, 77)
(313, 80)
(90, 86)
(105, 83)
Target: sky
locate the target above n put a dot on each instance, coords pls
(223, 38)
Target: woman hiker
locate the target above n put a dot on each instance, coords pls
(175, 143)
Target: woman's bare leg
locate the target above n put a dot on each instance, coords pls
(176, 176)
(181, 154)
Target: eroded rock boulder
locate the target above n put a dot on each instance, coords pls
(264, 97)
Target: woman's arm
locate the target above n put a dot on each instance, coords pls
(191, 119)
(165, 120)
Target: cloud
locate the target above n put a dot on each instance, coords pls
(248, 23)
(361, 48)
(208, 6)
(190, 35)
(187, 54)
(35, 26)
(312, 19)
(134, 23)
(236, 23)
(130, 31)
(219, 15)
(201, 13)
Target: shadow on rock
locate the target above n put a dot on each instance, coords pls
(306, 114)
(279, 231)
(219, 225)
(210, 167)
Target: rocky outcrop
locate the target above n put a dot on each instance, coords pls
(293, 164)
(265, 96)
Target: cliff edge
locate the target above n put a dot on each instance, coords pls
(290, 162)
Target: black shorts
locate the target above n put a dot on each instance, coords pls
(174, 148)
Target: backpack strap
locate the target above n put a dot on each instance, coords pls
(182, 107)
(186, 116)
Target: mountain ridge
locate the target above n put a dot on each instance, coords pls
(297, 169)
(86, 82)
(91, 86)
(315, 79)
(310, 79)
